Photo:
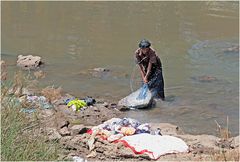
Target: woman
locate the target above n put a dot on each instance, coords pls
(150, 68)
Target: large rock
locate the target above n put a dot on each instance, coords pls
(132, 101)
(29, 62)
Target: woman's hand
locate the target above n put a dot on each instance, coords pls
(145, 80)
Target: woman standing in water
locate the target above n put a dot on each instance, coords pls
(150, 68)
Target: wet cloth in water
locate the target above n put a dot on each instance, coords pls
(143, 92)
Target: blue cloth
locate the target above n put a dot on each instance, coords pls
(143, 92)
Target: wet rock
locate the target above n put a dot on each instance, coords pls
(232, 49)
(205, 78)
(100, 72)
(101, 69)
(64, 131)
(29, 62)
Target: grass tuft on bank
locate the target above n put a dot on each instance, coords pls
(20, 137)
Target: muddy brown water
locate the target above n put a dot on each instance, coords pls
(191, 39)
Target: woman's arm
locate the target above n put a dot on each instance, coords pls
(142, 71)
(148, 72)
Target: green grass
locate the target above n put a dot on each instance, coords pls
(19, 140)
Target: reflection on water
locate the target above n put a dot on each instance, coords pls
(191, 39)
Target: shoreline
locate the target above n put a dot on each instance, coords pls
(201, 147)
(68, 128)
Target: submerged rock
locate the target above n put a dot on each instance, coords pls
(205, 78)
(101, 69)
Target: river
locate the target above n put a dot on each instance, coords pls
(191, 38)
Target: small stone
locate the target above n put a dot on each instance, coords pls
(39, 74)
(236, 141)
(64, 131)
(53, 134)
(78, 159)
(76, 129)
(65, 139)
(93, 154)
(47, 113)
(64, 124)
(76, 139)
(25, 91)
(105, 104)
(123, 108)
(101, 69)
(96, 109)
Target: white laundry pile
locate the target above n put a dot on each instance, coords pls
(154, 145)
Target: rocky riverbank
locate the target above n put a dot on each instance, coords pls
(68, 128)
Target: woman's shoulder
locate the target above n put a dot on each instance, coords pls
(152, 52)
(137, 51)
